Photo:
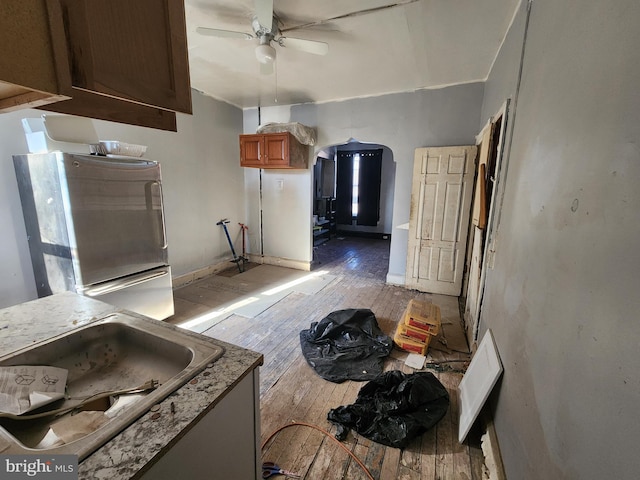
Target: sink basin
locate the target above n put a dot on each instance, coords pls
(116, 353)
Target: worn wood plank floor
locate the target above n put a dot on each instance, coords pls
(292, 391)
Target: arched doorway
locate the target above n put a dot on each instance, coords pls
(353, 189)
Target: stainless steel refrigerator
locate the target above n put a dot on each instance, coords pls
(95, 226)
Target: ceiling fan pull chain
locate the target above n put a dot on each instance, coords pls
(275, 67)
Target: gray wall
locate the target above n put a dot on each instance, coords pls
(16, 277)
(562, 300)
(202, 180)
(279, 221)
(402, 122)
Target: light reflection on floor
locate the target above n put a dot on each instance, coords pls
(225, 310)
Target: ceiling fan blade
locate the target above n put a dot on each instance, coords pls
(216, 32)
(308, 46)
(264, 12)
(366, 11)
(266, 68)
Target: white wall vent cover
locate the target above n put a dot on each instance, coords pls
(476, 385)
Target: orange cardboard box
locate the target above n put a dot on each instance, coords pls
(415, 333)
(423, 315)
(409, 344)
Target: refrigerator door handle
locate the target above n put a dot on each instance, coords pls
(116, 285)
(150, 204)
(114, 160)
(164, 244)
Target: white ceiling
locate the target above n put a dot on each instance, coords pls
(421, 44)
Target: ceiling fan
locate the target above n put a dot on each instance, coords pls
(265, 28)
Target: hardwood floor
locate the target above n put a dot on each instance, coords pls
(292, 391)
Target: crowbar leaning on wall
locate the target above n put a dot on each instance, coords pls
(237, 260)
(243, 229)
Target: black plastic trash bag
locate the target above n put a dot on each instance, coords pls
(394, 408)
(346, 345)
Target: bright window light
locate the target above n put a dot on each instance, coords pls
(355, 184)
(293, 283)
(225, 310)
(194, 322)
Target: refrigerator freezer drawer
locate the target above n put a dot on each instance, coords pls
(148, 293)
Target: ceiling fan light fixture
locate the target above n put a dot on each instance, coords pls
(265, 53)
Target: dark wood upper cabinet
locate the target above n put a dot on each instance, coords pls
(132, 50)
(27, 75)
(87, 104)
(120, 60)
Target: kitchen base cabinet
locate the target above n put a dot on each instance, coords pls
(225, 443)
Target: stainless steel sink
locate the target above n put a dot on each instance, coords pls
(116, 353)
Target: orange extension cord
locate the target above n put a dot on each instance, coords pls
(293, 424)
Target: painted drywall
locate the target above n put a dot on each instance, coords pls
(17, 284)
(562, 300)
(202, 181)
(499, 100)
(278, 203)
(502, 81)
(402, 122)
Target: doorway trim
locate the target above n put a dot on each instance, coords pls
(387, 196)
(493, 218)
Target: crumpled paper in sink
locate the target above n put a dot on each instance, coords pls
(72, 427)
(26, 387)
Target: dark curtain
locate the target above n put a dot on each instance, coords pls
(368, 190)
(344, 186)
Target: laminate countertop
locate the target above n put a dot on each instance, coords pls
(131, 452)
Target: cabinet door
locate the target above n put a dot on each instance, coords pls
(88, 104)
(251, 150)
(228, 431)
(135, 51)
(276, 150)
(27, 74)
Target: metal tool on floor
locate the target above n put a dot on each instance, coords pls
(243, 229)
(239, 261)
(269, 469)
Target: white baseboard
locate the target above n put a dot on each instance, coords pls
(187, 278)
(281, 262)
(394, 279)
(493, 466)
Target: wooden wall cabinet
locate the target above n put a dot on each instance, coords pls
(273, 150)
(114, 60)
(27, 75)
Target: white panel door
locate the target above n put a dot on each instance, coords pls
(439, 220)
